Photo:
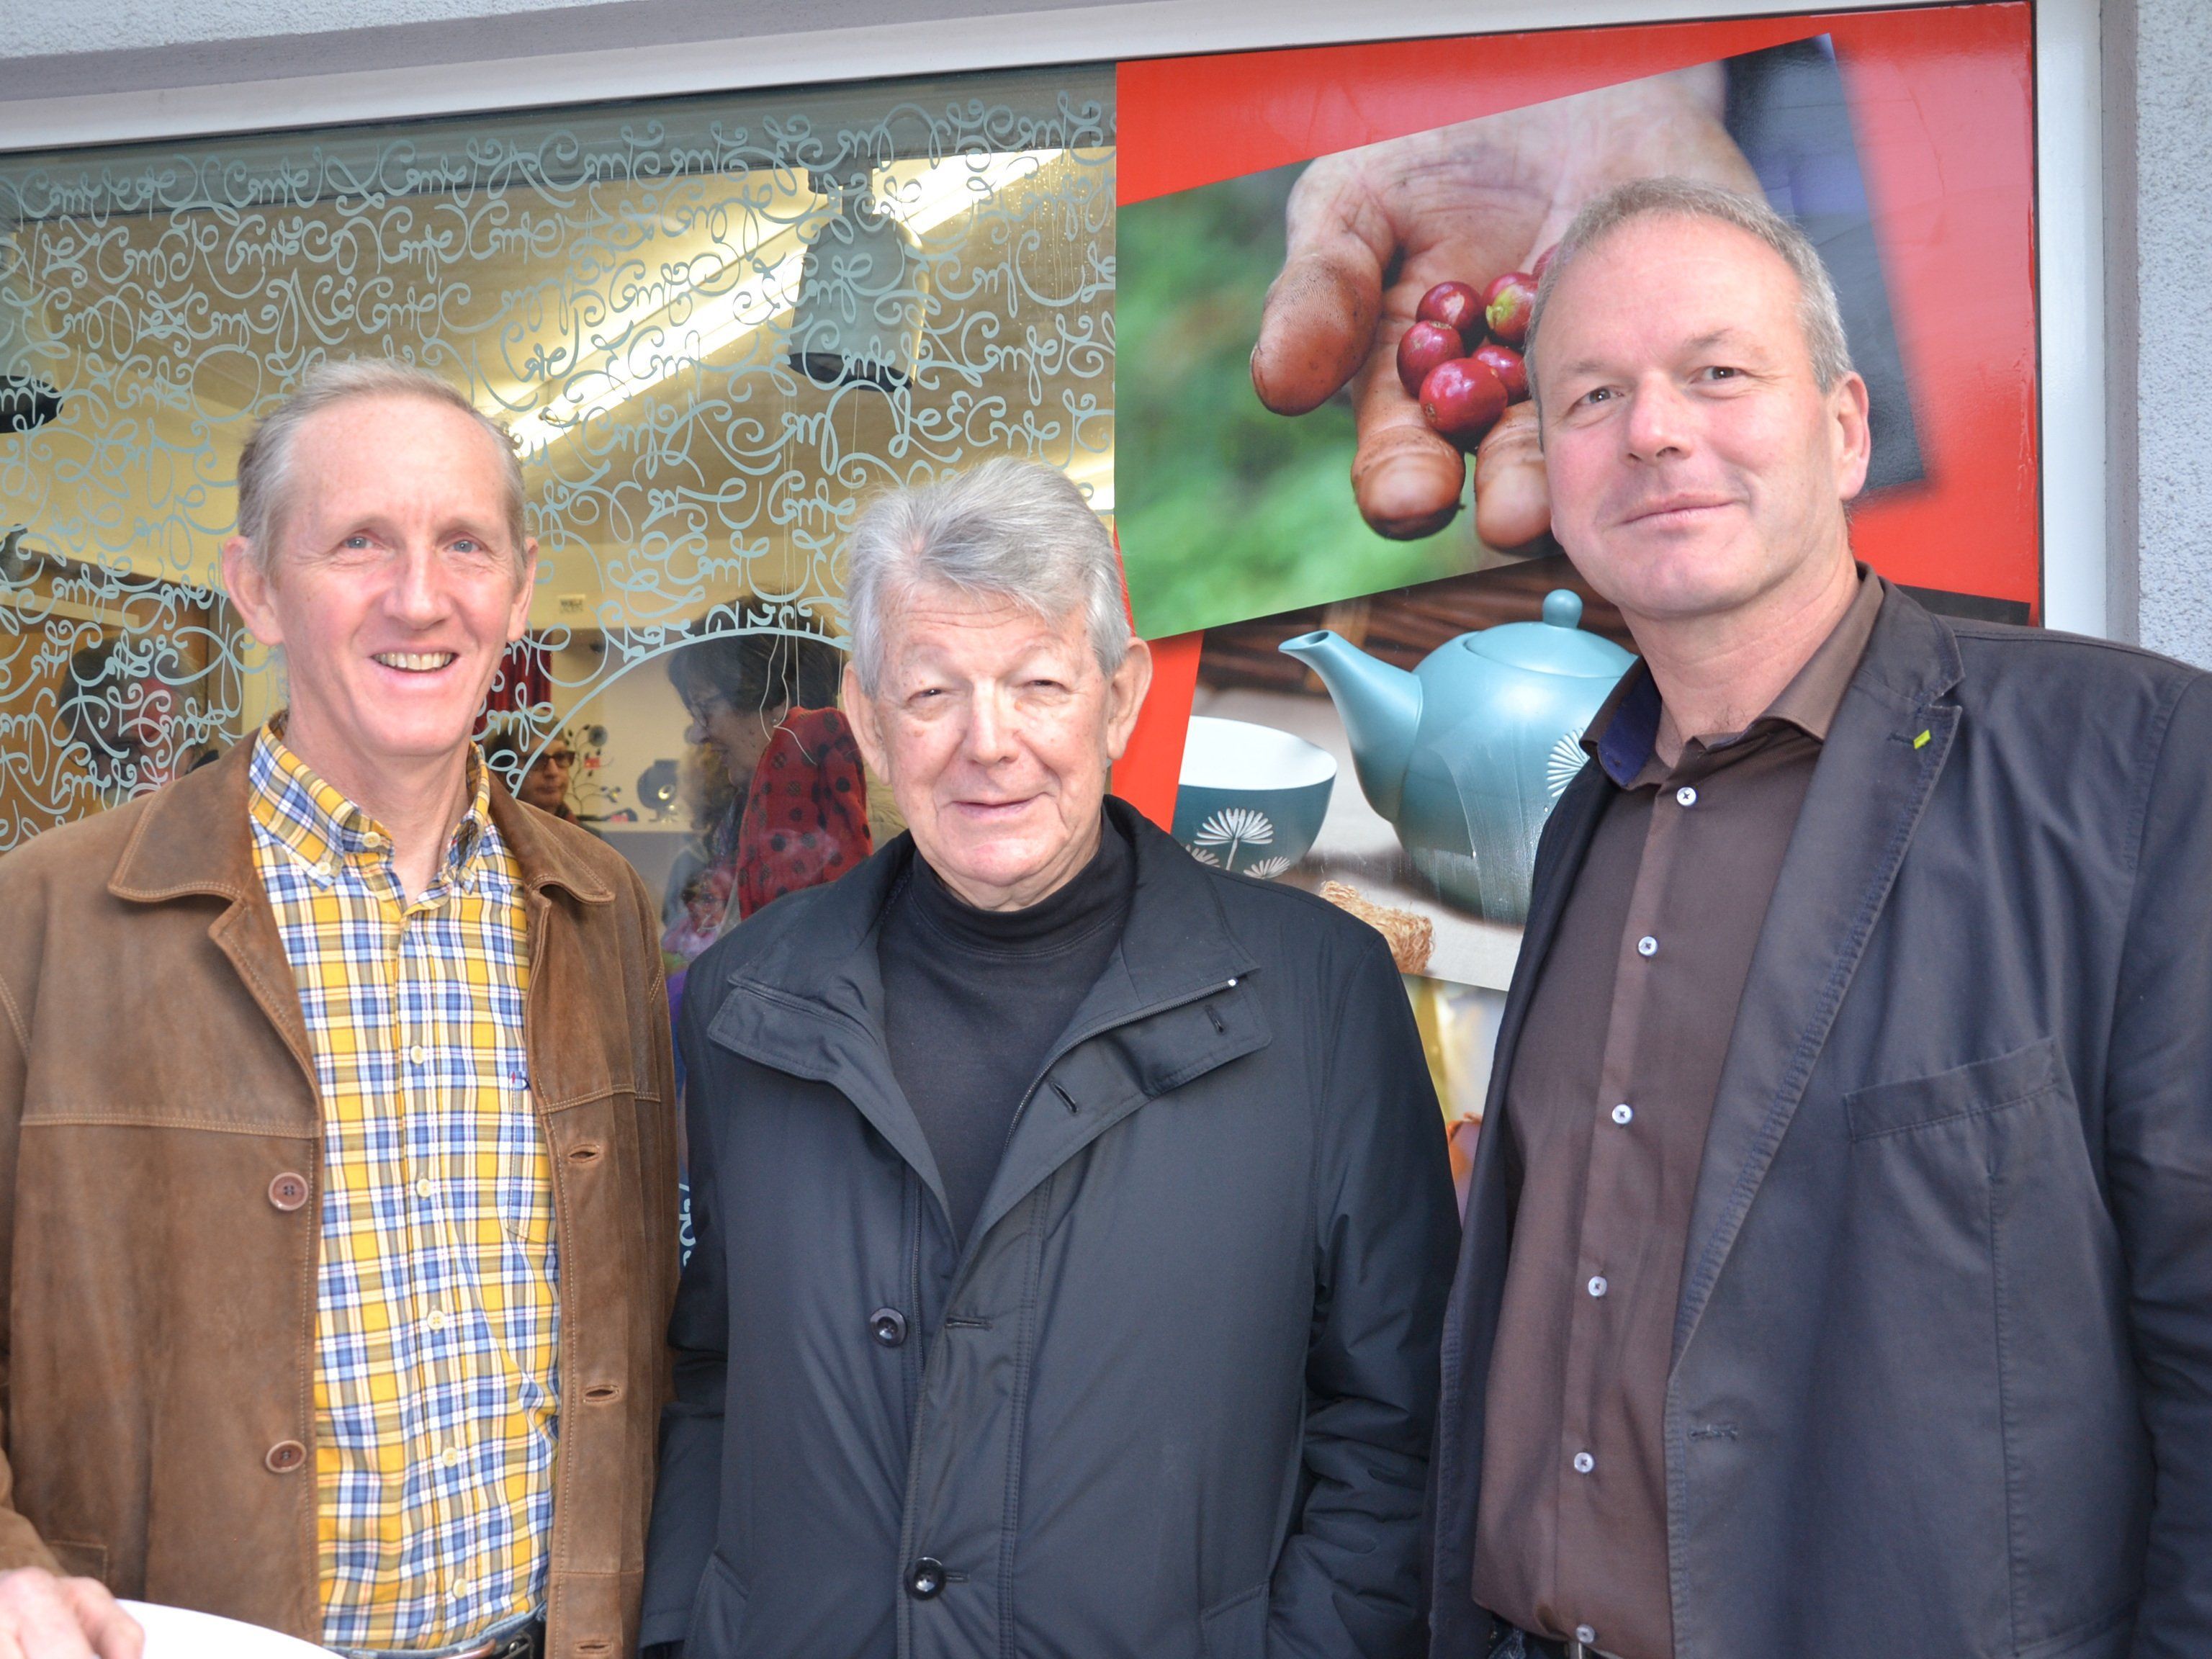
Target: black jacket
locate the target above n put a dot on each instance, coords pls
(1176, 1397)
(1943, 1380)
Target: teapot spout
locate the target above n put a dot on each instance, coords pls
(1381, 706)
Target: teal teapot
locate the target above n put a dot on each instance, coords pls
(1465, 756)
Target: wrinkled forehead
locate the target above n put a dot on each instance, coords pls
(399, 456)
(951, 625)
(1670, 276)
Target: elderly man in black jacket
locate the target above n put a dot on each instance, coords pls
(1073, 1221)
(1837, 1278)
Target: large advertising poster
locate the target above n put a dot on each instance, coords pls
(1373, 675)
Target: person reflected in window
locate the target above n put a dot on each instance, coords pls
(301, 1056)
(544, 785)
(741, 692)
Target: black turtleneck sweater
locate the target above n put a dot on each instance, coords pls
(975, 1002)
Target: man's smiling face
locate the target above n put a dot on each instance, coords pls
(1694, 462)
(392, 583)
(995, 728)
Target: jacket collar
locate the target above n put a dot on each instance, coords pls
(195, 836)
(806, 997)
(1175, 943)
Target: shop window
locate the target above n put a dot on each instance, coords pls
(713, 326)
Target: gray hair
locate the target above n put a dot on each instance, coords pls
(265, 464)
(1009, 529)
(1818, 315)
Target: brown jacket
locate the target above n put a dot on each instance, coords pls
(158, 1258)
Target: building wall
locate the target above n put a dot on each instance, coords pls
(2157, 85)
(2161, 54)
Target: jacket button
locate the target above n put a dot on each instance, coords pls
(288, 1191)
(925, 1578)
(888, 1326)
(285, 1456)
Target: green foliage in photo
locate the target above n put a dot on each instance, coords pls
(1227, 512)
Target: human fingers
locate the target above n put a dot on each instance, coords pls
(38, 1618)
(1406, 479)
(1512, 497)
(1318, 322)
(112, 1632)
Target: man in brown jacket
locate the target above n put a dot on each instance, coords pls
(337, 1190)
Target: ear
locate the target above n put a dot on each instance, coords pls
(1125, 697)
(1854, 437)
(525, 585)
(248, 586)
(861, 714)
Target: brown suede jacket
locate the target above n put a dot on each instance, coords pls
(160, 1169)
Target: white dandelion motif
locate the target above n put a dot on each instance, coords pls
(1268, 869)
(1233, 827)
(1566, 760)
(1205, 858)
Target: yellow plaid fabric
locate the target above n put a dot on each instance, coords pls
(436, 1394)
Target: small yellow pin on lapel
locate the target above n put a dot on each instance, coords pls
(1921, 741)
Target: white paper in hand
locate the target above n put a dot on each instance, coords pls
(179, 1633)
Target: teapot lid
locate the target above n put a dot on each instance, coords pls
(1558, 645)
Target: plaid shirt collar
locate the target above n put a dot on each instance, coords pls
(323, 831)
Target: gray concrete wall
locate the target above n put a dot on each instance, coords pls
(2158, 99)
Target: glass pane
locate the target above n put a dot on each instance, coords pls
(713, 326)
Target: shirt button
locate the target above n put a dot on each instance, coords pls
(1597, 1285)
(1584, 1462)
(1685, 796)
(450, 1457)
(417, 1055)
(460, 1589)
(1647, 946)
(1584, 1634)
(1622, 1113)
(436, 1321)
(425, 1187)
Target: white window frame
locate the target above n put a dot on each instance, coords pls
(2069, 195)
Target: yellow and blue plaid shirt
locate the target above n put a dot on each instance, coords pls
(436, 1393)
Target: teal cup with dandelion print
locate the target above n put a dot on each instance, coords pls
(1250, 799)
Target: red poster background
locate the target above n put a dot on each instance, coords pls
(1942, 105)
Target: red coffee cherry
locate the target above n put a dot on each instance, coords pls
(1462, 399)
(1457, 307)
(1543, 262)
(1506, 306)
(1504, 361)
(1421, 348)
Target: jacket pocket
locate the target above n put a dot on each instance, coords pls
(79, 1560)
(718, 1616)
(1236, 1628)
(1986, 1085)
(1985, 1307)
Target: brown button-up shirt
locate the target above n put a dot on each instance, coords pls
(1605, 1118)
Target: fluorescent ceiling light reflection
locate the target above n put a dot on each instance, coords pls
(923, 196)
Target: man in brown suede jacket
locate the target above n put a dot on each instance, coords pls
(337, 1187)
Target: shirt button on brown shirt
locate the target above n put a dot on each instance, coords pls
(1604, 1116)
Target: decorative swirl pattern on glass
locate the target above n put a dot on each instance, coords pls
(713, 326)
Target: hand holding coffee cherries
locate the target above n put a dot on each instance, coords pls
(1464, 381)
(1459, 206)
